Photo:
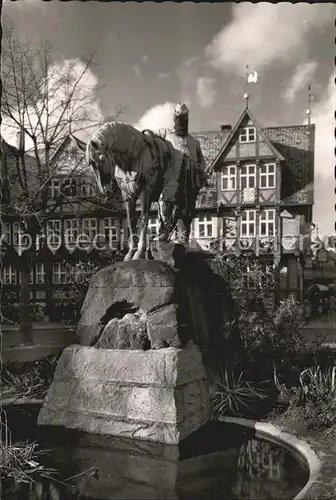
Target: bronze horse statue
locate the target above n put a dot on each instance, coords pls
(147, 168)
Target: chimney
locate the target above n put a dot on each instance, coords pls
(226, 128)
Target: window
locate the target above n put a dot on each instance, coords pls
(110, 228)
(267, 175)
(41, 294)
(89, 227)
(19, 238)
(55, 188)
(228, 178)
(248, 176)
(58, 274)
(86, 188)
(153, 226)
(31, 277)
(247, 134)
(267, 222)
(6, 232)
(54, 234)
(40, 274)
(71, 231)
(73, 153)
(9, 275)
(69, 187)
(16, 234)
(203, 227)
(248, 223)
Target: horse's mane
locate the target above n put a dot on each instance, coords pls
(119, 137)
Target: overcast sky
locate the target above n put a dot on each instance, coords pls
(150, 56)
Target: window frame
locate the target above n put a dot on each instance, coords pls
(266, 175)
(247, 133)
(247, 176)
(86, 188)
(267, 221)
(204, 222)
(110, 227)
(40, 274)
(247, 222)
(71, 242)
(55, 191)
(91, 230)
(60, 273)
(229, 175)
(11, 272)
(51, 230)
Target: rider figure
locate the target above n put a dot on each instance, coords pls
(182, 184)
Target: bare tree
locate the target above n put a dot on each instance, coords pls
(42, 102)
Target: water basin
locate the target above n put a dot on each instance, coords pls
(220, 460)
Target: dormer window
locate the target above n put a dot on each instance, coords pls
(247, 134)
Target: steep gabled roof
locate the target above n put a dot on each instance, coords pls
(245, 114)
(70, 138)
(211, 142)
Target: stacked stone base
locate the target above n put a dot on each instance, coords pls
(155, 395)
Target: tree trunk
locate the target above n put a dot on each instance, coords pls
(25, 309)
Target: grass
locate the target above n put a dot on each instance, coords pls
(19, 463)
(27, 380)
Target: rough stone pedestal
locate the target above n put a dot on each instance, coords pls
(155, 395)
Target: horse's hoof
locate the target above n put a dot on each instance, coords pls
(129, 256)
(139, 254)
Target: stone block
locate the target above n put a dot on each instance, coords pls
(155, 395)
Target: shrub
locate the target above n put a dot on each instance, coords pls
(318, 393)
(271, 334)
(236, 396)
(78, 276)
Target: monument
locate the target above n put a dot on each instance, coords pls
(151, 331)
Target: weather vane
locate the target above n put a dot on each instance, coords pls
(250, 77)
(311, 98)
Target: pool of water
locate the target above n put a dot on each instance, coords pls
(218, 461)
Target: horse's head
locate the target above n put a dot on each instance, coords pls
(103, 164)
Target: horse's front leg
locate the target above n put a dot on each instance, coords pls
(145, 204)
(130, 207)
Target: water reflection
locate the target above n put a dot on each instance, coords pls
(264, 470)
(220, 461)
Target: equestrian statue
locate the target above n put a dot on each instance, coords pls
(165, 166)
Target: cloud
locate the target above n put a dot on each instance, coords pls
(263, 33)
(136, 70)
(302, 75)
(187, 73)
(163, 76)
(84, 108)
(159, 116)
(144, 58)
(323, 117)
(205, 92)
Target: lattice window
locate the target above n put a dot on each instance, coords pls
(248, 224)
(9, 275)
(267, 176)
(58, 273)
(229, 178)
(204, 226)
(248, 176)
(247, 134)
(267, 222)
